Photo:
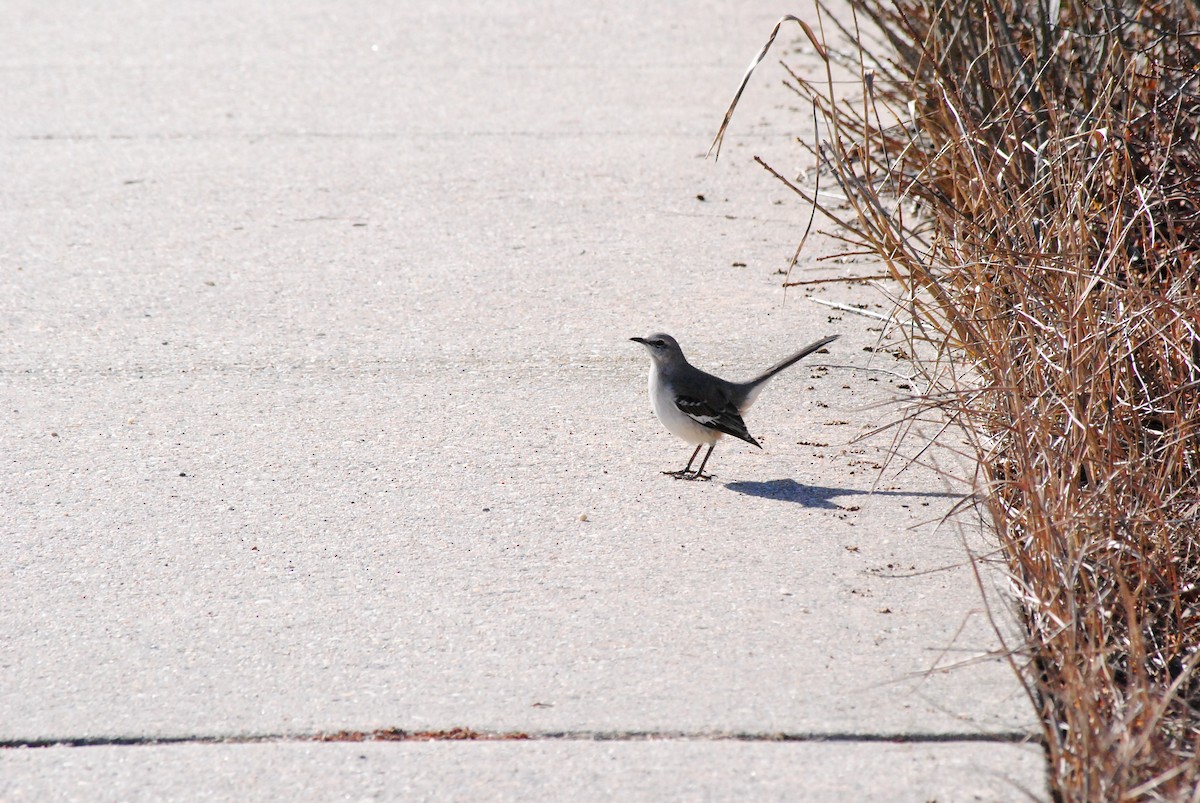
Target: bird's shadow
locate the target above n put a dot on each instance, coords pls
(819, 496)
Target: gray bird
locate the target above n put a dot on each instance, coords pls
(699, 407)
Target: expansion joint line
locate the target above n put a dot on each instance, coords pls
(471, 735)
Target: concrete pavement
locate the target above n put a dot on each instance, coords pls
(319, 416)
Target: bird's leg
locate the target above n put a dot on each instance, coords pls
(699, 475)
(684, 471)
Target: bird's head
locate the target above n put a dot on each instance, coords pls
(662, 348)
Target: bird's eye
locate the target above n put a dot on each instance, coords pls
(657, 343)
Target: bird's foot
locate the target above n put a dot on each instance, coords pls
(684, 474)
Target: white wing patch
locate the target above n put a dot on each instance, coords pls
(727, 420)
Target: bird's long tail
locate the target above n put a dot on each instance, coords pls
(752, 388)
(792, 360)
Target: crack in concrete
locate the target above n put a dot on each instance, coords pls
(468, 734)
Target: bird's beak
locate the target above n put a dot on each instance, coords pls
(641, 340)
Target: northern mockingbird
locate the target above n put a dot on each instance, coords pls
(700, 407)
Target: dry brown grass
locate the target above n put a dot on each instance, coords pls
(1029, 171)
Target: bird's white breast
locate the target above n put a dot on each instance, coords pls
(675, 420)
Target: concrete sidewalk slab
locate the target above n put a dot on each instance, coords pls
(650, 770)
(319, 411)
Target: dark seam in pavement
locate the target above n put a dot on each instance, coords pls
(254, 137)
(462, 734)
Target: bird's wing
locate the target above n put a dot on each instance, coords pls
(723, 418)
